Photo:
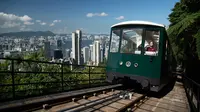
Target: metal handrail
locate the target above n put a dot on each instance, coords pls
(35, 61)
(60, 77)
(192, 90)
(192, 81)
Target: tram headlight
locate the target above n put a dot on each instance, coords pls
(128, 64)
(120, 63)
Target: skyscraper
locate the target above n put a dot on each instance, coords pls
(96, 52)
(101, 55)
(71, 54)
(52, 47)
(79, 41)
(67, 53)
(59, 44)
(47, 49)
(76, 46)
(91, 53)
(58, 54)
(86, 54)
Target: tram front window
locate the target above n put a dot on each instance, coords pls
(131, 41)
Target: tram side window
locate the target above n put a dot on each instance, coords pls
(152, 42)
(114, 44)
(131, 41)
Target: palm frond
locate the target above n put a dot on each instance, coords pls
(184, 25)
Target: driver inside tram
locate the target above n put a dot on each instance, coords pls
(150, 47)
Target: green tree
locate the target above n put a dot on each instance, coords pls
(185, 27)
(184, 33)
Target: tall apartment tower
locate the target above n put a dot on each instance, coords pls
(47, 49)
(59, 44)
(76, 46)
(91, 53)
(101, 55)
(79, 41)
(96, 53)
(67, 53)
(86, 54)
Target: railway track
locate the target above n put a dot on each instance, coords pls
(107, 101)
(101, 99)
(137, 104)
(125, 100)
(35, 103)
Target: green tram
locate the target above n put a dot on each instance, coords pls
(140, 52)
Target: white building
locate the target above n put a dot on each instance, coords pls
(86, 54)
(76, 45)
(96, 53)
(91, 53)
(101, 55)
(79, 39)
(67, 53)
(71, 55)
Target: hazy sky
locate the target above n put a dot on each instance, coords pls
(92, 16)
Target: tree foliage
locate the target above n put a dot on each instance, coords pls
(184, 29)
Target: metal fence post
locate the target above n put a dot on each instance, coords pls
(89, 78)
(198, 99)
(192, 92)
(13, 78)
(62, 77)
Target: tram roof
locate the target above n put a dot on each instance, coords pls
(138, 23)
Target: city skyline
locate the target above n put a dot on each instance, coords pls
(55, 49)
(64, 16)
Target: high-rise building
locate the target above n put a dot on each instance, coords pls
(47, 49)
(98, 56)
(76, 45)
(71, 55)
(52, 47)
(67, 53)
(82, 60)
(101, 55)
(96, 52)
(58, 54)
(91, 53)
(59, 44)
(79, 41)
(86, 54)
